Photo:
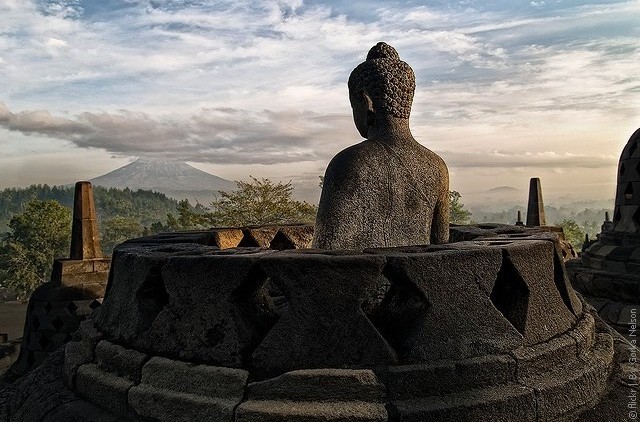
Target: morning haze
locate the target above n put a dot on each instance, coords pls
(505, 92)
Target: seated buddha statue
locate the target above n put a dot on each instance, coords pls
(387, 190)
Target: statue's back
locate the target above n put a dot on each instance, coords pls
(378, 195)
(387, 190)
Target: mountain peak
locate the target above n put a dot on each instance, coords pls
(173, 178)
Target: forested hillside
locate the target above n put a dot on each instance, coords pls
(143, 206)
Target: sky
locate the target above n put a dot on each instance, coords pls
(506, 90)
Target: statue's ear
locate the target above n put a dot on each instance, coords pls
(367, 100)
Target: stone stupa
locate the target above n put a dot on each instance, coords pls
(608, 272)
(482, 330)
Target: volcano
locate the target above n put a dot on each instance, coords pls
(175, 179)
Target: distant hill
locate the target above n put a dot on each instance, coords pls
(176, 179)
(503, 189)
(145, 206)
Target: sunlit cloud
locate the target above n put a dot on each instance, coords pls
(551, 85)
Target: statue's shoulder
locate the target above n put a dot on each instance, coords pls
(432, 157)
(356, 158)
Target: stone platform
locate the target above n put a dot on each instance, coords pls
(608, 273)
(476, 330)
(608, 276)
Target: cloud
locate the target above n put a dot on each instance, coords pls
(248, 82)
(539, 160)
(231, 136)
(221, 135)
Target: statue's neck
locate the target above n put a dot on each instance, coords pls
(390, 130)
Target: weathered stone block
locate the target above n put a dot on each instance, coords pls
(171, 406)
(629, 316)
(72, 266)
(280, 411)
(632, 268)
(595, 263)
(79, 279)
(218, 310)
(135, 299)
(603, 251)
(438, 327)
(606, 286)
(292, 237)
(259, 236)
(584, 334)
(107, 390)
(227, 238)
(101, 264)
(614, 266)
(406, 382)
(324, 325)
(93, 290)
(610, 312)
(116, 359)
(76, 354)
(202, 237)
(504, 403)
(188, 301)
(67, 294)
(310, 385)
(567, 389)
(79, 411)
(485, 371)
(534, 263)
(203, 380)
(537, 359)
(30, 397)
(179, 391)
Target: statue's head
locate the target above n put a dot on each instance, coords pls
(381, 85)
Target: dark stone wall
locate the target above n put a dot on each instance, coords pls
(272, 312)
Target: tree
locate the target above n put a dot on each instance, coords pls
(258, 202)
(118, 229)
(36, 236)
(458, 214)
(573, 233)
(261, 202)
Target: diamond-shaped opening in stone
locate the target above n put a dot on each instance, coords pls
(628, 192)
(403, 303)
(94, 304)
(72, 308)
(277, 296)
(617, 216)
(633, 147)
(375, 296)
(57, 323)
(281, 242)
(561, 281)
(259, 304)
(636, 219)
(44, 342)
(152, 296)
(510, 294)
(31, 359)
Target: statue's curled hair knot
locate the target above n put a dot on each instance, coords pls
(389, 82)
